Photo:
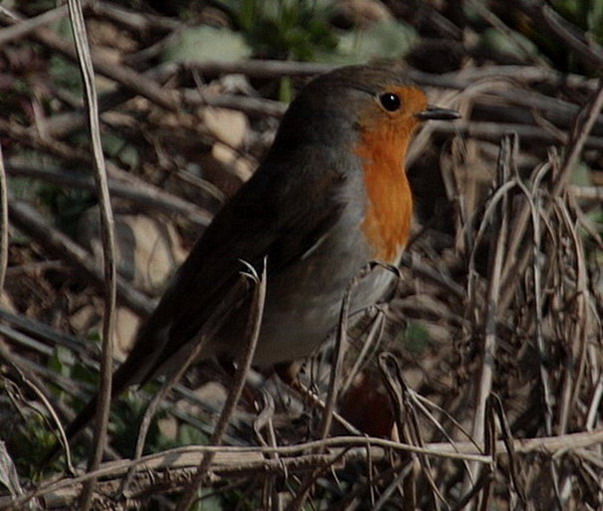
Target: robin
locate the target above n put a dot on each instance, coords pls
(330, 196)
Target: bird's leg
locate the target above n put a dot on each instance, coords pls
(288, 372)
(249, 393)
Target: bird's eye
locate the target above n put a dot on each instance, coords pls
(390, 101)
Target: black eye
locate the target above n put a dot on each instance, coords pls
(391, 102)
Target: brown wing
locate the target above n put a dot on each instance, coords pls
(266, 219)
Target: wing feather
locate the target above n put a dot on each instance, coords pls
(266, 218)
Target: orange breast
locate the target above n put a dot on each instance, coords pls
(389, 208)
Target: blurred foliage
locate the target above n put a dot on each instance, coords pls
(65, 74)
(119, 148)
(584, 17)
(66, 205)
(416, 339)
(130, 409)
(385, 40)
(28, 444)
(587, 15)
(302, 30)
(287, 30)
(519, 46)
(206, 43)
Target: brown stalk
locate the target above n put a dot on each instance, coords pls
(23, 27)
(3, 222)
(582, 126)
(583, 123)
(537, 212)
(499, 224)
(581, 322)
(407, 418)
(108, 244)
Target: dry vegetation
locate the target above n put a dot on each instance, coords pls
(488, 361)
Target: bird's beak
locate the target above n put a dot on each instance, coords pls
(434, 113)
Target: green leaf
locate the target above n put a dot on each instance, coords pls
(61, 361)
(65, 74)
(417, 339)
(208, 501)
(118, 147)
(493, 38)
(383, 40)
(288, 29)
(206, 43)
(581, 174)
(189, 435)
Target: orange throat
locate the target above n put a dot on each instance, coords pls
(389, 199)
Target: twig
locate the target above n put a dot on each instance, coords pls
(132, 18)
(315, 400)
(595, 404)
(254, 107)
(258, 68)
(533, 199)
(453, 80)
(233, 461)
(496, 130)
(577, 141)
(64, 123)
(583, 124)
(522, 74)
(135, 190)
(497, 255)
(407, 420)
(196, 347)
(498, 24)
(578, 336)
(370, 343)
(42, 330)
(509, 445)
(392, 487)
(484, 498)
(23, 27)
(121, 74)
(588, 193)
(518, 257)
(54, 147)
(334, 377)
(338, 351)
(3, 222)
(430, 274)
(587, 51)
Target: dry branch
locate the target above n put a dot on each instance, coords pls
(231, 462)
